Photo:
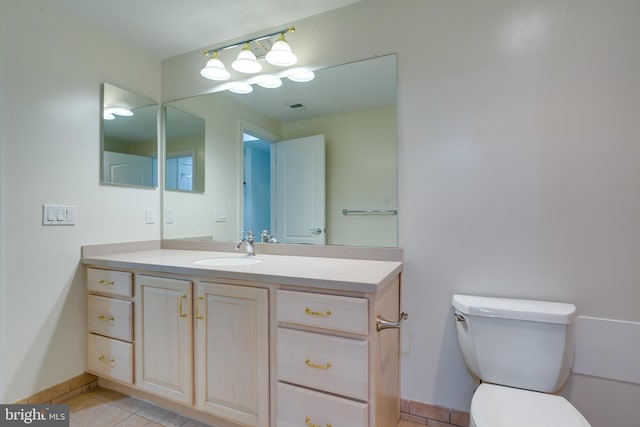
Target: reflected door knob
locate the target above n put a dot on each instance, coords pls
(316, 231)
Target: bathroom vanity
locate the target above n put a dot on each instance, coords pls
(278, 340)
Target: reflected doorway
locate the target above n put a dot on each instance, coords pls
(256, 184)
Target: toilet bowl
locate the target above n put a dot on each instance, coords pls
(520, 351)
(499, 406)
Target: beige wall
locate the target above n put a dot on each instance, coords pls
(51, 68)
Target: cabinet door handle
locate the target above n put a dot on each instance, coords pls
(105, 318)
(198, 315)
(103, 359)
(317, 313)
(308, 422)
(182, 313)
(313, 365)
(106, 283)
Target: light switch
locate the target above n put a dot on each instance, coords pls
(150, 217)
(169, 216)
(58, 214)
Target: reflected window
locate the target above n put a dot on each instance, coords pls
(180, 173)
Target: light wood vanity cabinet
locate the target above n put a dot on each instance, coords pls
(225, 327)
(333, 367)
(235, 352)
(232, 352)
(110, 324)
(164, 337)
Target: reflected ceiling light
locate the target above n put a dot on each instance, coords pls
(215, 70)
(281, 54)
(241, 88)
(271, 83)
(302, 76)
(109, 113)
(246, 62)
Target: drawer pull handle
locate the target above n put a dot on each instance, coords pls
(105, 318)
(198, 315)
(182, 313)
(106, 283)
(308, 422)
(103, 359)
(317, 313)
(382, 323)
(313, 365)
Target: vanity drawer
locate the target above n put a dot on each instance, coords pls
(111, 317)
(323, 362)
(345, 314)
(109, 282)
(299, 407)
(110, 358)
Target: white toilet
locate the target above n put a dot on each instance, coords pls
(519, 350)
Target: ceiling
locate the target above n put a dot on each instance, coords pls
(165, 28)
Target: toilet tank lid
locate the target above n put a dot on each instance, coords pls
(517, 309)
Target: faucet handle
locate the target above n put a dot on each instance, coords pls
(249, 236)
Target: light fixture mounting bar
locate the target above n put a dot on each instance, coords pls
(255, 39)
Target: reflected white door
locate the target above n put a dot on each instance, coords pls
(300, 187)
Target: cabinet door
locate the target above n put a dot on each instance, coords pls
(164, 337)
(232, 353)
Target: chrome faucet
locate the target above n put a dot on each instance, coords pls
(248, 240)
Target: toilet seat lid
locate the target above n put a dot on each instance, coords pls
(500, 406)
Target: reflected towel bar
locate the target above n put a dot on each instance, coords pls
(370, 212)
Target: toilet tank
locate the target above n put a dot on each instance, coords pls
(516, 343)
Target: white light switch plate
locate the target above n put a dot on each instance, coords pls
(150, 216)
(59, 214)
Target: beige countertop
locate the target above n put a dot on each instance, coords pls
(319, 272)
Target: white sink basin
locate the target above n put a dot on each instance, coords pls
(228, 261)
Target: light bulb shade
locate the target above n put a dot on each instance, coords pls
(302, 77)
(241, 88)
(281, 54)
(118, 111)
(215, 70)
(246, 62)
(271, 83)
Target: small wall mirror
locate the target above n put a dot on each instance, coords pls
(129, 138)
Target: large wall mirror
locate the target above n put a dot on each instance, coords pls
(129, 138)
(350, 108)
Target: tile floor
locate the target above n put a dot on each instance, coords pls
(106, 408)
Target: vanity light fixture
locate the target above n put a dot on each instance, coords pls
(215, 70)
(246, 62)
(280, 55)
